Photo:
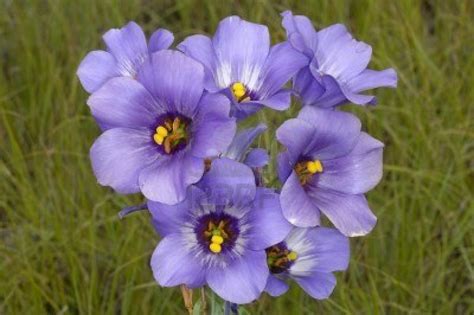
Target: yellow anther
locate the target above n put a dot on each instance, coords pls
(314, 166)
(292, 256)
(162, 131)
(217, 239)
(238, 89)
(158, 138)
(215, 248)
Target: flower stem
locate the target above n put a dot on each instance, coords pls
(188, 298)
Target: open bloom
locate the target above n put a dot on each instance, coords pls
(308, 256)
(161, 127)
(127, 49)
(336, 69)
(240, 62)
(328, 166)
(218, 234)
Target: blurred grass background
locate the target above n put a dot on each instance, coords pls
(63, 249)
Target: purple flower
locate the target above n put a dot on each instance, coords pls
(328, 166)
(127, 49)
(161, 127)
(308, 256)
(240, 62)
(239, 149)
(336, 70)
(218, 234)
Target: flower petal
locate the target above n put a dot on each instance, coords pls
(371, 79)
(285, 166)
(268, 226)
(278, 101)
(350, 214)
(357, 172)
(119, 155)
(179, 90)
(242, 142)
(159, 40)
(275, 287)
(173, 264)
(123, 102)
(295, 135)
(229, 181)
(128, 46)
(237, 62)
(296, 206)
(243, 280)
(167, 181)
(307, 87)
(257, 158)
(95, 69)
(319, 285)
(300, 33)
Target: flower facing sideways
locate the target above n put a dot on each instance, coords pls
(240, 62)
(160, 128)
(328, 166)
(307, 256)
(127, 50)
(218, 234)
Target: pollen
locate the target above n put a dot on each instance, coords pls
(217, 239)
(314, 166)
(238, 89)
(215, 248)
(162, 131)
(171, 134)
(292, 256)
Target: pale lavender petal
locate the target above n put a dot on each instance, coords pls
(297, 207)
(300, 33)
(229, 181)
(269, 227)
(124, 102)
(278, 101)
(285, 166)
(243, 280)
(332, 96)
(318, 285)
(275, 287)
(371, 79)
(95, 69)
(119, 155)
(295, 135)
(159, 40)
(128, 46)
(242, 142)
(173, 264)
(179, 90)
(307, 87)
(167, 181)
(350, 214)
(238, 62)
(257, 158)
(357, 172)
(213, 130)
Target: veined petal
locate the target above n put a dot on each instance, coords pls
(300, 33)
(95, 69)
(318, 285)
(159, 40)
(257, 158)
(371, 79)
(242, 142)
(275, 287)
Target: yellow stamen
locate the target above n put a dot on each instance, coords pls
(314, 166)
(158, 138)
(217, 239)
(238, 89)
(215, 248)
(162, 131)
(292, 256)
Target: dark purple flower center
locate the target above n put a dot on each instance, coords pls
(306, 169)
(172, 132)
(280, 258)
(217, 232)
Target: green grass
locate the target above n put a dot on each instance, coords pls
(63, 249)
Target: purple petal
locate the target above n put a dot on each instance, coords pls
(307, 87)
(300, 33)
(336, 133)
(243, 280)
(371, 79)
(242, 142)
(278, 101)
(295, 135)
(173, 264)
(318, 285)
(297, 207)
(179, 90)
(123, 102)
(275, 287)
(199, 47)
(238, 62)
(119, 155)
(285, 166)
(268, 226)
(95, 69)
(167, 180)
(333, 94)
(357, 172)
(229, 181)
(350, 214)
(213, 130)
(257, 158)
(128, 45)
(159, 40)
(282, 64)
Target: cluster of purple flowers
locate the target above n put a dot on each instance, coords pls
(169, 130)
